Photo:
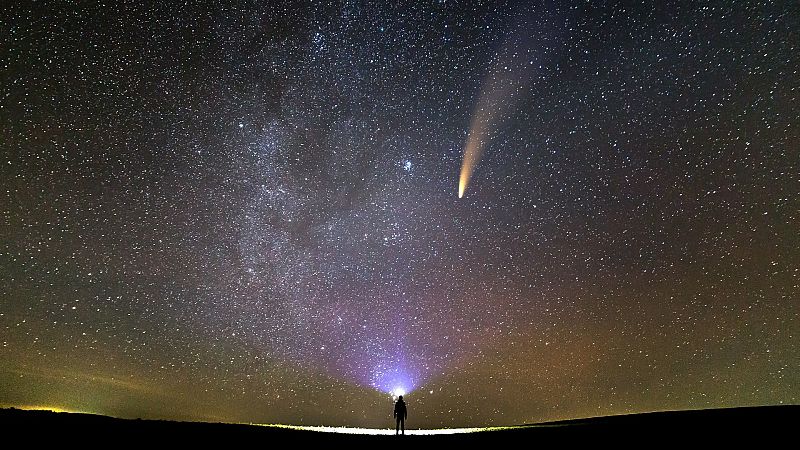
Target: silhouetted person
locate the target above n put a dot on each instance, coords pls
(400, 413)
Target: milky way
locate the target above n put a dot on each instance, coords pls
(247, 212)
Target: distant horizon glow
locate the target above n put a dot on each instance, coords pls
(56, 409)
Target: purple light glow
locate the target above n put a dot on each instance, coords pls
(394, 381)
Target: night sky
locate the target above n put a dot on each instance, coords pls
(250, 212)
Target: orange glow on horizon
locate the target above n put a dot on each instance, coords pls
(57, 409)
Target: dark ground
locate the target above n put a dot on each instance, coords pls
(753, 425)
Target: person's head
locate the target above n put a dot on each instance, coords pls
(400, 398)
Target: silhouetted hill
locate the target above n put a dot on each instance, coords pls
(740, 425)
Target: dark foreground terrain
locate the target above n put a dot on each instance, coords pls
(753, 426)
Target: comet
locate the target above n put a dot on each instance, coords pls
(489, 108)
(509, 78)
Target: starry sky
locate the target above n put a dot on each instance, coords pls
(249, 211)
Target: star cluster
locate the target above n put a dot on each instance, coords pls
(249, 212)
